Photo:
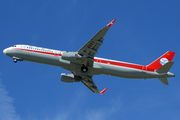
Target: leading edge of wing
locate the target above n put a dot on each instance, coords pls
(91, 47)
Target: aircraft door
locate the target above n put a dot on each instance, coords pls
(22, 47)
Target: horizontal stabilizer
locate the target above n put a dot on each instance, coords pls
(165, 68)
(164, 81)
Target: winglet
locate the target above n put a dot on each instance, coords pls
(103, 91)
(111, 23)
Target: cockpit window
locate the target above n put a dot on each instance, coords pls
(14, 46)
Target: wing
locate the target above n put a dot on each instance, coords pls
(89, 50)
(91, 85)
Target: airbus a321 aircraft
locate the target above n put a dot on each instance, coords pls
(83, 64)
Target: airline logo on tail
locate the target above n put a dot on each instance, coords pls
(164, 61)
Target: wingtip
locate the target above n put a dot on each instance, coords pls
(111, 23)
(103, 91)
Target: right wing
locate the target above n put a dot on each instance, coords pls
(91, 85)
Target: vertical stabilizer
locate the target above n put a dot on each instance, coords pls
(165, 58)
(162, 65)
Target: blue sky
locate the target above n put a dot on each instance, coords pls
(144, 30)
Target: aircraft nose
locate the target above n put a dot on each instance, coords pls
(5, 51)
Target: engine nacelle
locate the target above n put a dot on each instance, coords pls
(68, 78)
(71, 56)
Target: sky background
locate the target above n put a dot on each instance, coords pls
(144, 30)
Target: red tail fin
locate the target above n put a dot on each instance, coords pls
(168, 56)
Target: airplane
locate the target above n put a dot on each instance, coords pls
(83, 64)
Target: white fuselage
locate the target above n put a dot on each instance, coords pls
(100, 66)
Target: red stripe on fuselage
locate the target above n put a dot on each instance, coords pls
(110, 62)
(122, 64)
(48, 53)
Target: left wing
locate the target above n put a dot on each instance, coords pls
(90, 84)
(89, 50)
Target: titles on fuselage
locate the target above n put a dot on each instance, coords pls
(39, 49)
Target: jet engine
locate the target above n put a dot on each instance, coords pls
(68, 78)
(70, 56)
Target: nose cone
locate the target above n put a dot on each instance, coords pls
(5, 51)
(8, 52)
